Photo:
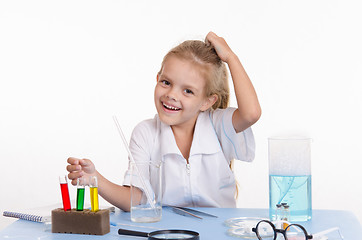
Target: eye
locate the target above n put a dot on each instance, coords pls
(165, 82)
(188, 91)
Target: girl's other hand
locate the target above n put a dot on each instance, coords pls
(80, 168)
(221, 47)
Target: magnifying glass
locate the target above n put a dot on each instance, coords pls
(162, 234)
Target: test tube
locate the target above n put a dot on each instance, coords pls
(65, 192)
(93, 186)
(286, 214)
(80, 194)
(278, 211)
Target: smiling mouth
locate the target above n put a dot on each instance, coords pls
(172, 108)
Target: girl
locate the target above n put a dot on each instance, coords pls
(195, 133)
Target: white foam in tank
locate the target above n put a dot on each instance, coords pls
(289, 156)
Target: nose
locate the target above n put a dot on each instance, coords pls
(172, 98)
(172, 95)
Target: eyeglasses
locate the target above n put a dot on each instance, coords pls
(265, 230)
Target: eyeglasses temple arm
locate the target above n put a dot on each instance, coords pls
(319, 234)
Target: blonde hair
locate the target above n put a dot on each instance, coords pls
(211, 66)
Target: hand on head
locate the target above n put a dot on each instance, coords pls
(221, 47)
(80, 168)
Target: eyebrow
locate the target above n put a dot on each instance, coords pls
(164, 75)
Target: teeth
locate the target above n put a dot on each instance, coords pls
(170, 107)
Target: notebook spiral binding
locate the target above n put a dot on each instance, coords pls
(29, 217)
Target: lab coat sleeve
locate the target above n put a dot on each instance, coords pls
(239, 146)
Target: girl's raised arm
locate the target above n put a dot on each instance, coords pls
(248, 111)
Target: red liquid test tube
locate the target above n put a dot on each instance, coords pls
(65, 192)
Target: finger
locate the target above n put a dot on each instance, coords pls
(210, 37)
(85, 162)
(74, 182)
(72, 168)
(83, 180)
(207, 42)
(73, 160)
(75, 175)
(207, 39)
(213, 35)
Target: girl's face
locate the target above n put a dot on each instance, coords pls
(180, 93)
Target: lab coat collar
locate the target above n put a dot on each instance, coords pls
(205, 140)
(168, 142)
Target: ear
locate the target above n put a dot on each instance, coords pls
(209, 101)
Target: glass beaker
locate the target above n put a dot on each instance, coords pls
(290, 177)
(146, 191)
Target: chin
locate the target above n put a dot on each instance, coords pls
(166, 120)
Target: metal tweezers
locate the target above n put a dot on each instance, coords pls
(189, 212)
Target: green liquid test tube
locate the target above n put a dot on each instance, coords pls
(80, 195)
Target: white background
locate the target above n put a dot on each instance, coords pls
(67, 66)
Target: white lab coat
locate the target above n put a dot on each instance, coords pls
(207, 180)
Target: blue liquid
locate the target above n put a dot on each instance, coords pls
(294, 190)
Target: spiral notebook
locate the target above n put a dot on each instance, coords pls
(42, 214)
(27, 216)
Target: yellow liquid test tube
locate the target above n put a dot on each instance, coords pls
(93, 186)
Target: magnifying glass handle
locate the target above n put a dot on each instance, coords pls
(132, 233)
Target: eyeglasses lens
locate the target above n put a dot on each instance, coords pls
(265, 231)
(294, 232)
